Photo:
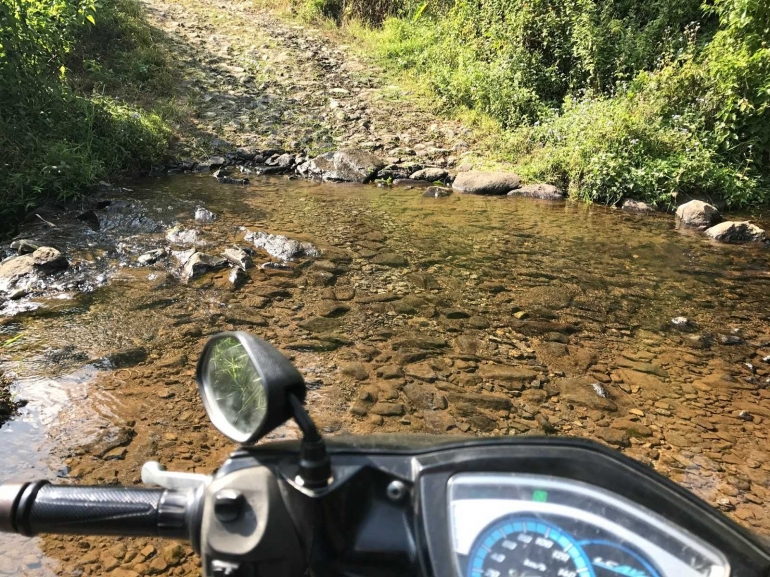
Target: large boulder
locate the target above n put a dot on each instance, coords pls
(475, 182)
(539, 191)
(281, 247)
(734, 231)
(697, 214)
(346, 165)
(23, 269)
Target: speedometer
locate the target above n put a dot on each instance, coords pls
(505, 525)
(527, 547)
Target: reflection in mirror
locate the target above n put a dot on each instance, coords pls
(235, 386)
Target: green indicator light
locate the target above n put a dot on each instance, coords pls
(540, 496)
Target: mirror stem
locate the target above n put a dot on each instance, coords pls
(314, 463)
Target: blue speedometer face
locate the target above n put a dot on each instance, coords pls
(614, 560)
(527, 547)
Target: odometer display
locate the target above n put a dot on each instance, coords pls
(527, 547)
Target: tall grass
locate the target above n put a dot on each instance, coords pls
(607, 98)
(78, 82)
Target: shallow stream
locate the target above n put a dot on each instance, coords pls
(464, 315)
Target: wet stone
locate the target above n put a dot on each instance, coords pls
(423, 396)
(346, 165)
(421, 371)
(173, 554)
(430, 174)
(616, 437)
(505, 374)
(329, 308)
(539, 191)
(390, 372)
(321, 278)
(123, 359)
(204, 215)
(389, 259)
(183, 236)
(385, 409)
(437, 192)
(24, 246)
(631, 205)
(152, 256)
(237, 277)
(697, 214)
(438, 422)
(244, 315)
(474, 182)
(456, 314)
(643, 367)
(321, 324)
(281, 247)
(736, 232)
(20, 269)
(419, 341)
(238, 257)
(581, 392)
(200, 263)
(490, 402)
(355, 370)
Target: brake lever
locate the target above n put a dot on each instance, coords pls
(153, 473)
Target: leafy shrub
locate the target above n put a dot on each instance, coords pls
(608, 98)
(60, 130)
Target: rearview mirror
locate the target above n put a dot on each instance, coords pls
(245, 384)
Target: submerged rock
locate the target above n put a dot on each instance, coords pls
(25, 268)
(475, 182)
(24, 246)
(122, 358)
(734, 231)
(237, 277)
(437, 192)
(204, 215)
(200, 263)
(152, 256)
(390, 259)
(631, 205)
(408, 182)
(281, 247)
(682, 324)
(346, 165)
(224, 178)
(697, 214)
(238, 257)
(179, 235)
(539, 191)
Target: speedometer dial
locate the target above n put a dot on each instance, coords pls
(527, 547)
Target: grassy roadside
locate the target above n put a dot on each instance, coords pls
(86, 93)
(608, 100)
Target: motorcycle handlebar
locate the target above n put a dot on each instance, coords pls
(40, 507)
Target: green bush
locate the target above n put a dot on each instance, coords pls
(77, 80)
(608, 98)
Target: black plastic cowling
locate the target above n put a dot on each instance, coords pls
(88, 510)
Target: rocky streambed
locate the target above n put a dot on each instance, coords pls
(406, 312)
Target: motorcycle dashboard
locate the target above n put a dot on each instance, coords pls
(504, 525)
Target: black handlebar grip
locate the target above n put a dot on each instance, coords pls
(99, 510)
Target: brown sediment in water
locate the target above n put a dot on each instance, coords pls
(464, 315)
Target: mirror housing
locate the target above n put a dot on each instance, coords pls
(278, 376)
